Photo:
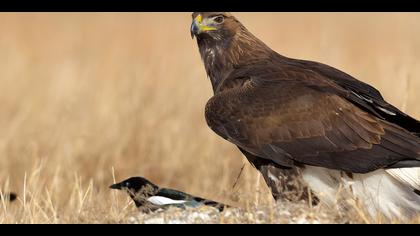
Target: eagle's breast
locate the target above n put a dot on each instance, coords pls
(222, 112)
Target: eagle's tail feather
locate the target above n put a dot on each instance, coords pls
(393, 193)
(407, 176)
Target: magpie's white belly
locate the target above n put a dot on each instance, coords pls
(389, 192)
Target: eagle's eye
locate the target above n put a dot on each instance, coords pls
(219, 19)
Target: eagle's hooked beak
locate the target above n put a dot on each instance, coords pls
(198, 26)
(195, 30)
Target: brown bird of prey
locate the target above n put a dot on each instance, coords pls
(285, 113)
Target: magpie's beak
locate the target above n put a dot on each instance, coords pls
(116, 186)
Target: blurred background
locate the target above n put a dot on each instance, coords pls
(85, 96)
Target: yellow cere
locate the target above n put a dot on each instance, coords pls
(199, 21)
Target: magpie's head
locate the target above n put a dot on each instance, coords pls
(137, 187)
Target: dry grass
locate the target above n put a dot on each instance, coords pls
(83, 94)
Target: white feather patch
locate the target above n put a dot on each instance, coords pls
(386, 111)
(323, 182)
(410, 176)
(160, 201)
(380, 191)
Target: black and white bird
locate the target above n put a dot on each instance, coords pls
(149, 197)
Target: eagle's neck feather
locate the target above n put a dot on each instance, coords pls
(220, 56)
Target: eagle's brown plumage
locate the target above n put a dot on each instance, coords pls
(286, 112)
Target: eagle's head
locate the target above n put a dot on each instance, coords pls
(213, 25)
(224, 43)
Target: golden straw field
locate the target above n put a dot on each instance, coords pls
(86, 97)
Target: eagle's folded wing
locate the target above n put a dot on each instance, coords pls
(306, 121)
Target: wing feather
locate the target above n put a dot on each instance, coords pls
(306, 121)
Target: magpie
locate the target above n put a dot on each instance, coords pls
(149, 197)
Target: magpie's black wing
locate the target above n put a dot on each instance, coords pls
(178, 195)
(173, 194)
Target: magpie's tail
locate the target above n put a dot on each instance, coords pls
(219, 206)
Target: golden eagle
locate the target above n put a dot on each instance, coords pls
(286, 113)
